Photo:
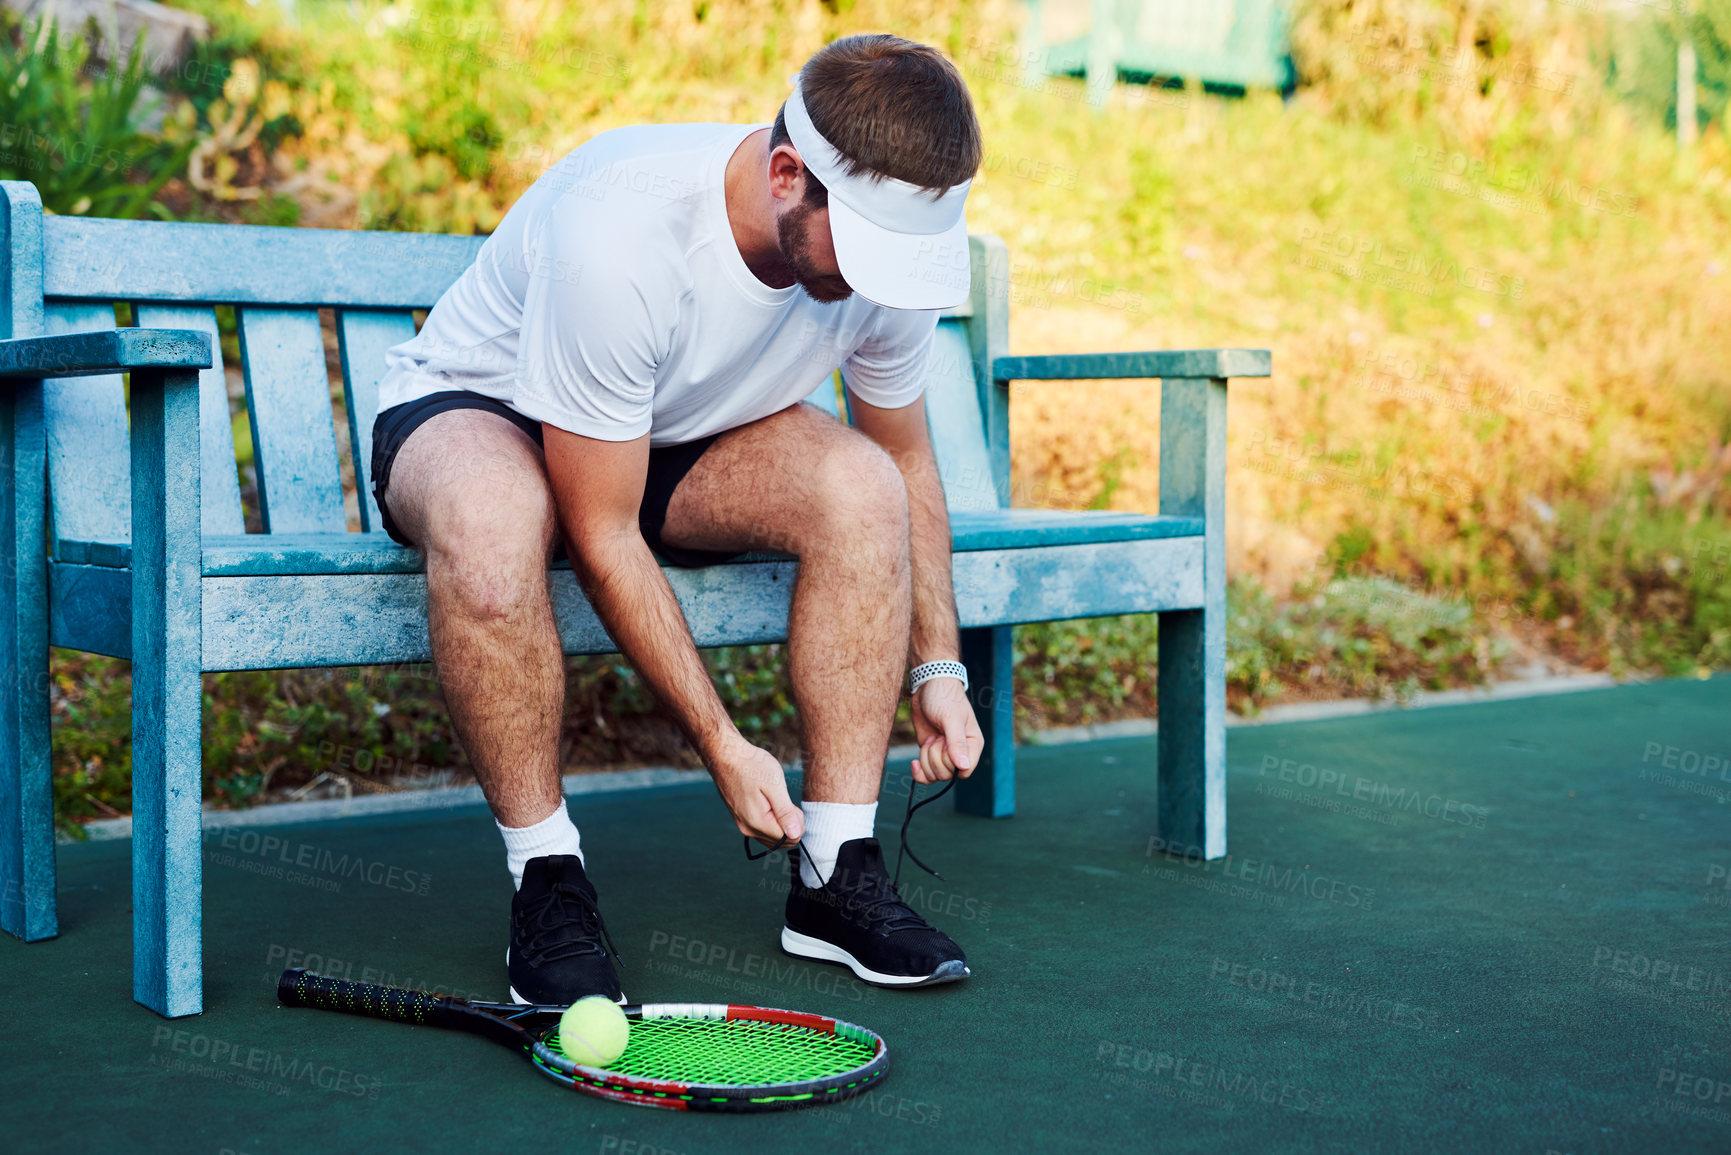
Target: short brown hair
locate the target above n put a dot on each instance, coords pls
(890, 107)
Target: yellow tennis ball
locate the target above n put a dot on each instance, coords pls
(593, 1031)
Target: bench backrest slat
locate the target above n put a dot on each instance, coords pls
(363, 336)
(89, 458)
(294, 442)
(220, 505)
(110, 260)
(953, 415)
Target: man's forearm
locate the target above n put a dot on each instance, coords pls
(631, 596)
(935, 635)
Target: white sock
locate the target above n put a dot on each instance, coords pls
(554, 834)
(827, 826)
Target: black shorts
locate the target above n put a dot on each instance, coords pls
(667, 467)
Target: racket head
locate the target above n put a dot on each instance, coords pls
(724, 1057)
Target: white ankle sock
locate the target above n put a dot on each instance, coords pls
(827, 826)
(554, 834)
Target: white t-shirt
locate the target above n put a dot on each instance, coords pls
(612, 301)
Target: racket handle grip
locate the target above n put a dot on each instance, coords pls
(302, 988)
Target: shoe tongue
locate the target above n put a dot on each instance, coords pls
(860, 856)
(541, 874)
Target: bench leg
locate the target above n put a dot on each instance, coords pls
(989, 653)
(27, 897)
(1192, 678)
(1192, 737)
(167, 871)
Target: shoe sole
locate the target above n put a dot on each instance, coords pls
(517, 998)
(804, 946)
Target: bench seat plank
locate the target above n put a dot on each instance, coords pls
(359, 619)
(289, 620)
(257, 554)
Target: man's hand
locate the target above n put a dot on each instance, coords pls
(949, 736)
(751, 783)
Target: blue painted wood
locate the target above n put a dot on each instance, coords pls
(90, 608)
(294, 440)
(167, 643)
(989, 653)
(116, 554)
(824, 397)
(957, 428)
(242, 555)
(251, 264)
(363, 337)
(88, 485)
(1053, 583)
(28, 906)
(221, 498)
(1027, 528)
(272, 622)
(1215, 363)
(988, 329)
(77, 352)
(1191, 683)
(97, 259)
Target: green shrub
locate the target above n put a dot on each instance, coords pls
(72, 130)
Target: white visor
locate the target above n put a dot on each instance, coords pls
(897, 244)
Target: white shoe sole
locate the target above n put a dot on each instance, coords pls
(804, 946)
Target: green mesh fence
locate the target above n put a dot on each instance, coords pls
(738, 1053)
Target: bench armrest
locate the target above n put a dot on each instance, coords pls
(1099, 366)
(104, 351)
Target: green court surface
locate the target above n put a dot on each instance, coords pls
(1499, 927)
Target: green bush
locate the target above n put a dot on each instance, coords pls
(72, 130)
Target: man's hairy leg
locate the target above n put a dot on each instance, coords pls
(803, 483)
(470, 490)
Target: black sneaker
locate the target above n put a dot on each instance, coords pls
(559, 945)
(857, 920)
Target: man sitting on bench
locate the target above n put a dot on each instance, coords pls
(624, 365)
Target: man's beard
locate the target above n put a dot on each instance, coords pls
(791, 230)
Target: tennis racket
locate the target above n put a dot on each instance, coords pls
(682, 1056)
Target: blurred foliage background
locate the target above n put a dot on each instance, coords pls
(1497, 441)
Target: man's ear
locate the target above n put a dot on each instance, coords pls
(786, 173)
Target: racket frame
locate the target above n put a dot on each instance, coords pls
(526, 1027)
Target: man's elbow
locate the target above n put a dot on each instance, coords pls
(599, 546)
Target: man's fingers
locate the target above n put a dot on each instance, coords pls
(975, 743)
(956, 743)
(937, 760)
(921, 775)
(790, 818)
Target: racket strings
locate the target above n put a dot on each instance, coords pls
(739, 1052)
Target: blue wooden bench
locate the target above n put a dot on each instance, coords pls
(147, 556)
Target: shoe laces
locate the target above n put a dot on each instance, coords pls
(548, 920)
(876, 899)
(873, 901)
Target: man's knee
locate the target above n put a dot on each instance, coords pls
(487, 549)
(860, 497)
